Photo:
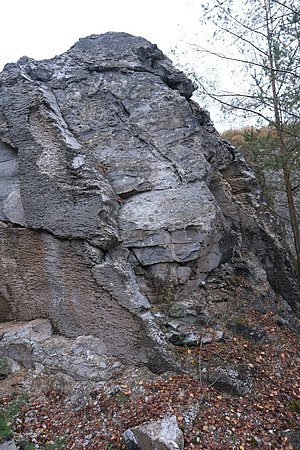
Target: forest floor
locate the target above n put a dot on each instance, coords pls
(268, 417)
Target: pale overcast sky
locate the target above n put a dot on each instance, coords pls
(41, 29)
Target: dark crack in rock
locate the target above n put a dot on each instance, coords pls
(116, 193)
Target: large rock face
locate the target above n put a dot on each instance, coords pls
(116, 193)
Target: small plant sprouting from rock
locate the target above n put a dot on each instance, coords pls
(169, 293)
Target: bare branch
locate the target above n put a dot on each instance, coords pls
(242, 24)
(284, 5)
(243, 61)
(230, 105)
(242, 38)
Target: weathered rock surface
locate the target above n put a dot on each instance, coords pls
(294, 438)
(8, 444)
(34, 346)
(156, 435)
(230, 380)
(8, 366)
(116, 194)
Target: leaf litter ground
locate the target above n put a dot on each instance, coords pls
(209, 419)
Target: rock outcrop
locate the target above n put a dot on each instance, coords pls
(34, 346)
(117, 195)
(163, 434)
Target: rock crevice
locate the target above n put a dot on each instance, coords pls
(124, 194)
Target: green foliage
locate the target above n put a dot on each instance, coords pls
(260, 148)
(169, 294)
(59, 443)
(254, 442)
(294, 405)
(5, 427)
(122, 397)
(8, 414)
(240, 321)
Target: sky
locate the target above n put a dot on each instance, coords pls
(41, 30)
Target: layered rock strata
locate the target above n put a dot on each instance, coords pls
(116, 193)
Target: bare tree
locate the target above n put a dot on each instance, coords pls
(262, 40)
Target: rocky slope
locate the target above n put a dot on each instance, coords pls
(254, 404)
(124, 216)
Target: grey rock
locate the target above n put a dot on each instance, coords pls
(11, 208)
(281, 322)
(155, 435)
(34, 346)
(102, 131)
(17, 340)
(184, 274)
(36, 331)
(230, 380)
(193, 339)
(212, 336)
(177, 310)
(79, 396)
(185, 339)
(8, 444)
(8, 366)
(257, 230)
(116, 192)
(243, 329)
(83, 358)
(163, 227)
(293, 437)
(5, 306)
(54, 279)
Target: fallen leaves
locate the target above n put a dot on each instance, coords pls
(208, 418)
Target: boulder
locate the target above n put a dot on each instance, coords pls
(8, 444)
(230, 380)
(7, 367)
(293, 438)
(117, 193)
(33, 345)
(162, 434)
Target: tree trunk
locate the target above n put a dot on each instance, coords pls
(281, 141)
